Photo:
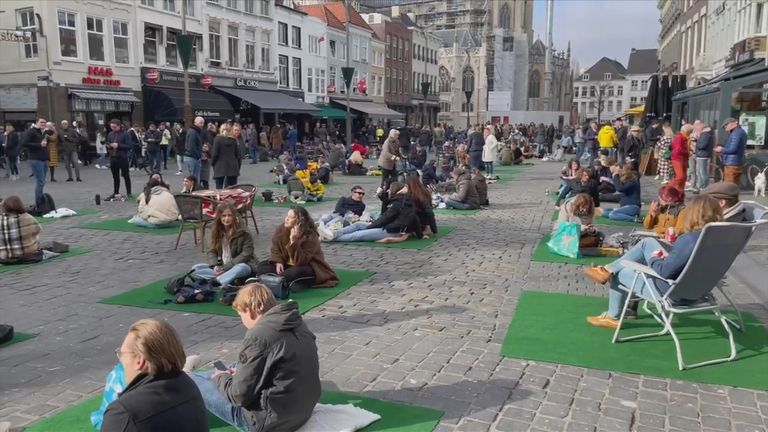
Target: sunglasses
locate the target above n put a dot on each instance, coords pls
(359, 193)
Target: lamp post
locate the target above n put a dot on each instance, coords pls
(424, 92)
(184, 44)
(347, 72)
(468, 95)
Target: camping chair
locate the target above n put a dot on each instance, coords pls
(246, 210)
(191, 212)
(713, 255)
(755, 211)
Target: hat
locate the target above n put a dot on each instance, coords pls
(728, 121)
(635, 128)
(458, 171)
(723, 190)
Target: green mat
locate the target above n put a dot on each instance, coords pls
(80, 212)
(602, 220)
(542, 254)
(17, 337)
(73, 251)
(411, 243)
(509, 168)
(564, 337)
(455, 212)
(121, 224)
(152, 296)
(287, 204)
(395, 417)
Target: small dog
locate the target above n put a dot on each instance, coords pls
(760, 183)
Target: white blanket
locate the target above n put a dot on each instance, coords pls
(62, 212)
(338, 418)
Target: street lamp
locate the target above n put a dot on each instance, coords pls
(469, 86)
(424, 92)
(468, 95)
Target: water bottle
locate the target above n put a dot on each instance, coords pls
(546, 192)
(97, 198)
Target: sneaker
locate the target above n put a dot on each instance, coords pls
(656, 178)
(191, 363)
(78, 180)
(110, 198)
(325, 233)
(97, 166)
(603, 320)
(630, 314)
(598, 274)
(179, 173)
(69, 180)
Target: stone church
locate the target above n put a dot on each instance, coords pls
(562, 80)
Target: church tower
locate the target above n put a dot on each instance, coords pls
(509, 34)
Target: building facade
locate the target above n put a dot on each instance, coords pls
(560, 94)
(600, 92)
(642, 64)
(736, 32)
(670, 39)
(424, 51)
(377, 71)
(462, 67)
(398, 62)
(301, 54)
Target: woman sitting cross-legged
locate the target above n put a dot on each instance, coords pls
(19, 233)
(667, 263)
(355, 164)
(157, 206)
(580, 209)
(628, 184)
(296, 252)
(583, 183)
(466, 196)
(231, 254)
(422, 202)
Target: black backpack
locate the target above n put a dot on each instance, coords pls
(189, 289)
(6, 333)
(44, 206)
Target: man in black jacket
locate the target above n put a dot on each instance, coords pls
(153, 138)
(119, 144)
(475, 148)
(37, 155)
(194, 147)
(69, 139)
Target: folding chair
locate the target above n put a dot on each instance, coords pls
(191, 212)
(713, 255)
(755, 211)
(246, 210)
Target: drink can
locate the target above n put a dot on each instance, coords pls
(97, 198)
(671, 235)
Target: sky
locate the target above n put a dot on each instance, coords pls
(599, 28)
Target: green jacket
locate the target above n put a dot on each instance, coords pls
(241, 251)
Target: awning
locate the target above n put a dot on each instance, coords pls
(167, 104)
(330, 113)
(370, 108)
(635, 110)
(271, 101)
(115, 96)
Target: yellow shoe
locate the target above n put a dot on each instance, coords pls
(598, 274)
(603, 320)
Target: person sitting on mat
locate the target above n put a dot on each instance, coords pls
(628, 184)
(323, 170)
(667, 262)
(422, 201)
(355, 164)
(231, 254)
(275, 384)
(189, 184)
(315, 190)
(666, 211)
(296, 252)
(157, 206)
(580, 209)
(569, 172)
(19, 233)
(582, 184)
(481, 184)
(158, 395)
(466, 196)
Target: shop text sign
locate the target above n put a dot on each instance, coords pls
(245, 82)
(102, 76)
(165, 78)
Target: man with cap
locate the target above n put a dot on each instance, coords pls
(733, 151)
(727, 194)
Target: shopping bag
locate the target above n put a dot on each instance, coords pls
(565, 240)
(115, 384)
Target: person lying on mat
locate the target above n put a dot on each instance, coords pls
(582, 184)
(466, 196)
(580, 209)
(352, 205)
(275, 384)
(157, 206)
(627, 182)
(19, 233)
(667, 211)
(296, 253)
(422, 202)
(231, 254)
(158, 395)
(649, 251)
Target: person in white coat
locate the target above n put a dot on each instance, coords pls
(491, 150)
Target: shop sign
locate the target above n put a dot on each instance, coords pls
(739, 54)
(206, 113)
(206, 81)
(98, 75)
(245, 82)
(163, 78)
(15, 36)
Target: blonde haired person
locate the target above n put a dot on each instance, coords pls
(158, 395)
(276, 381)
(702, 210)
(390, 154)
(226, 158)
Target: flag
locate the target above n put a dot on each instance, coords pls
(321, 39)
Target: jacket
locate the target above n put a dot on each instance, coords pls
(153, 138)
(673, 216)
(630, 148)
(278, 372)
(652, 135)
(629, 189)
(293, 136)
(566, 215)
(347, 204)
(193, 146)
(590, 137)
(399, 217)
(19, 235)
(733, 150)
(482, 188)
(576, 187)
(316, 189)
(12, 147)
(675, 261)
(466, 192)
(476, 142)
(68, 139)
(680, 147)
(607, 137)
(161, 208)
(31, 141)
(389, 151)
(306, 251)
(225, 157)
(124, 140)
(240, 251)
(491, 149)
(705, 144)
(164, 403)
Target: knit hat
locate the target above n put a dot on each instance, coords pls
(723, 190)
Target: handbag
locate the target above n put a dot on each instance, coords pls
(565, 240)
(276, 283)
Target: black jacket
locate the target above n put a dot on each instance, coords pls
(158, 404)
(31, 140)
(705, 144)
(12, 147)
(193, 146)
(428, 175)
(124, 140)
(278, 372)
(68, 140)
(577, 187)
(652, 135)
(630, 148)
(476, 142)
(347, 204)
(153, 138)
(399, 217)
(225, 157)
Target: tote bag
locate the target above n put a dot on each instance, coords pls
(565, 240)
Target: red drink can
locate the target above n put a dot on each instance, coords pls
(671, 235)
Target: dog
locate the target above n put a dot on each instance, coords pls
(760, 183)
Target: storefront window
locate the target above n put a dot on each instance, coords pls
(750, 105)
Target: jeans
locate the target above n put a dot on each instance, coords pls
(164, 152)
(488, 168)
(193, 167)
(579, 150)
(12, 168)
(225, 181)
(120, 167)
(254, 153)
(476, 159)
(70, 160)
(205, 271)
(217, 404)
(102, 161)
(692, 171)
(702, 173)
(624, 213)
(312, 197)
(154, 160)
(359, 231)
(328, 218)
(136, 220)
(39, 170)
(453, 204)
(622, 277)
(179, 162)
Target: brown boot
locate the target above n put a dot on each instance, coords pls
(599, 274)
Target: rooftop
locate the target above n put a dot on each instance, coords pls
(642, 61)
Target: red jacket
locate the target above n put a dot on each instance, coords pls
(361, 148)
(680, 147)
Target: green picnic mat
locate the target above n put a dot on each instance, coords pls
(395, 417)
(121, 224)
(543, 254)
(151, 296)
(455, 212)
(510, 168)
(17, 337)
(80, 212)
(73, 251)
(564, 337)
(258, 202)
(602, 220)
(411, 243)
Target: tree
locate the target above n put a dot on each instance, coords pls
(598, 94)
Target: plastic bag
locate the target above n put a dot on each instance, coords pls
(114, 385)
(565, 240)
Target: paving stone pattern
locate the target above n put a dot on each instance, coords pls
(425, 329)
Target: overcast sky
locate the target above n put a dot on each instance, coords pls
(599, 28)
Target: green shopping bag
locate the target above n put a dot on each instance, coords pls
(565, 240)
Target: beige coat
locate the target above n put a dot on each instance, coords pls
(389, 151)
(161, 209)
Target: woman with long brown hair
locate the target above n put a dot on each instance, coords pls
(422, 202)
(231, 254)
(225, 156)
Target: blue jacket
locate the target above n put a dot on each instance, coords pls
(671, 266)
(630, 191)
(293, 136)
(705, 144)
(124, 144)
(733, 151)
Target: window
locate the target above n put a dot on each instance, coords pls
(619, 106)
(250, 6)
(282, 33)
(592, 91)
(642, 100)
(321, 86)
(234, 42)
(120, 41)
(401, 49)
(150, 44)
(265, 7)
(282, 70)
(607, 76)
(416, 52)
(508, 43)
(150, 3)
(169, 5)
(633, 85)
(296, 78)
(296, 37)
(95, 30)
(633, 100)
(314, 45)
(584, 92)
(332, 76)
(332, 48)
(620, 91)
(190, 7)
(265, 50)
(355, 48)
(250, 49)
(310, 78)
(406, 55)
(26, 22)
(585, 77)
(576, 92)
(644, 85)
(583, 108)
(400, 81)
(67, 22)
(388, 46)
(232, 4)
(214, 43)
(343, 50)
(196, 42)
(534, 84)
(610, 90)
(610, 106)
(171, 52)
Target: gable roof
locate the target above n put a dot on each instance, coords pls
(606, 65)
(337, 10)
(538, 47)
(465, 38)
(642, 61)
(320, 12)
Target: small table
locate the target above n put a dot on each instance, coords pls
(237, 197)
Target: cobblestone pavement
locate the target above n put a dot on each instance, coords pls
(425, 329)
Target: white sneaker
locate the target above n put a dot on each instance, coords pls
(179, 173)
(325, 233)
(97, 166)
(656, 178)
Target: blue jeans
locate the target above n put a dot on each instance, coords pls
(253, 152)
(193, 167)
(310, 197)
(145, 223)
(579, 150)
(622, 277)
(702, 173)
(328, 218)
(453, 204)
(359, 231)
(624, 213)
(154, 160)
(237, 271)
(488, 168)
(39, 170)
(217, 404)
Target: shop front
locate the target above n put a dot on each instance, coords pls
(163, 94)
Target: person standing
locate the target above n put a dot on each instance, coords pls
(491, 150)
(37, 154)
(179, 147)
(83, 143)
(578, 139)
(69, 139)
(475, 148)
(680, 148)
(119, 145)
(292, 138)
(390, 154)
(664, 153)
(733, 151)
(53, 149)
(608, 139)
(704, 147)
(134, 139)
(165, 140)
(622, 134)
(225, 156)
(590, 142)
(193, 147)
(12, 148)
(153, 138)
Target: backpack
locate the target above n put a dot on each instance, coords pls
(189, 289)
(44, 206)
(6, 333)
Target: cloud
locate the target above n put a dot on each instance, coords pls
(599, 28)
